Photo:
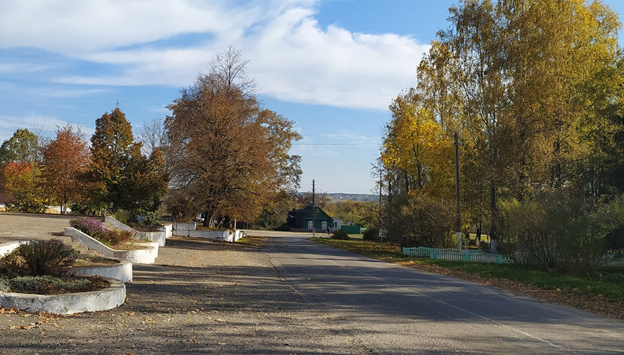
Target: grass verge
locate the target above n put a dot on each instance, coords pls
(607, 284)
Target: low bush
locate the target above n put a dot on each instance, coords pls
(5, 286)
(113, 237)
(339, 234)
(554, 231)
(88, 225)
(47, 285)
(151, 219)
(413, 221)
(371, 234)
(39, 257)
(122, 216)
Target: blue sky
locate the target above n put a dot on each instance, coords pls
(332, 66)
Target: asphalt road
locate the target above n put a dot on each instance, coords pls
(292, 296)
(390, 309)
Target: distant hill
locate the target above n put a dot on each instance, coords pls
(337, 197)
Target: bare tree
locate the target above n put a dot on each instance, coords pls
(153, 136)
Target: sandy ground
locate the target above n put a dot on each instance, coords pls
(16, 226)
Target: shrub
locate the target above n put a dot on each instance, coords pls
(5, 286)
(151, 219)
(39, 257)
(413, 221)
(485, 246)
(12, 265)
(554, 231)
(88, 225)
(371, 234)
(113, 237)
(339, 234)
(122, 216)
(46, 285)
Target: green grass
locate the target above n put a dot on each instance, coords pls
(607, 282)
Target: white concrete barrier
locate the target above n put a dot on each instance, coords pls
(159, 236)
(191, 226)
(121, 271)
(146, 255)
(6, 248)
(225, 235)
(210, 234)
(68, 303)
(168, 229)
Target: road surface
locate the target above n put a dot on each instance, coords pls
(393, 309)
(292, 296)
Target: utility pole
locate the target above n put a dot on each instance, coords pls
(313, 212)
(458, 218)
(380, 187)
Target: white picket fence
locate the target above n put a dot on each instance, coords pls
(467, 255)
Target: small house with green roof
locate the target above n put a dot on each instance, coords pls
(303, 219)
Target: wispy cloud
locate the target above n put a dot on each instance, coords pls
(42, 124)
(72, 93)
(291, 55)
(21, 67)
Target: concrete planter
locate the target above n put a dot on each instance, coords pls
(224, 235)
(168, 229)
(159, 236)
(6, 248)
(147, 255)
(121, 271)
(184, 226)
(69, 303)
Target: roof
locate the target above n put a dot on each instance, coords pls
(306, 213)
(4, 199)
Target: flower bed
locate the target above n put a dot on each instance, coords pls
(95, 228)
(69, 303)
(35, 277)
(50, 285)
(145, 255)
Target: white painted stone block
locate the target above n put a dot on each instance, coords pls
(68, 303)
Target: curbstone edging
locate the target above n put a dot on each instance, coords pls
(69, 303)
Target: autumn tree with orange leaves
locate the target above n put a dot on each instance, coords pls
(65, 160)
(230, 156)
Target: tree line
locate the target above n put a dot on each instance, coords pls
(219, 153)
(533, 89)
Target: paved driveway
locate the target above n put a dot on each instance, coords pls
(17, 226)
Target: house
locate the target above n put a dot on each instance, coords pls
(337, 223)
(302, 219)
(4, 201)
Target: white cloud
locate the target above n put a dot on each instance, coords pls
(293, 58)
(45, 125)
(21, 67)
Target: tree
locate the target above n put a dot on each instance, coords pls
(121, 178)
(65, 160)
(152, 135)
(22, 183)
(229, 156)
(23, 146)
(416, 144)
